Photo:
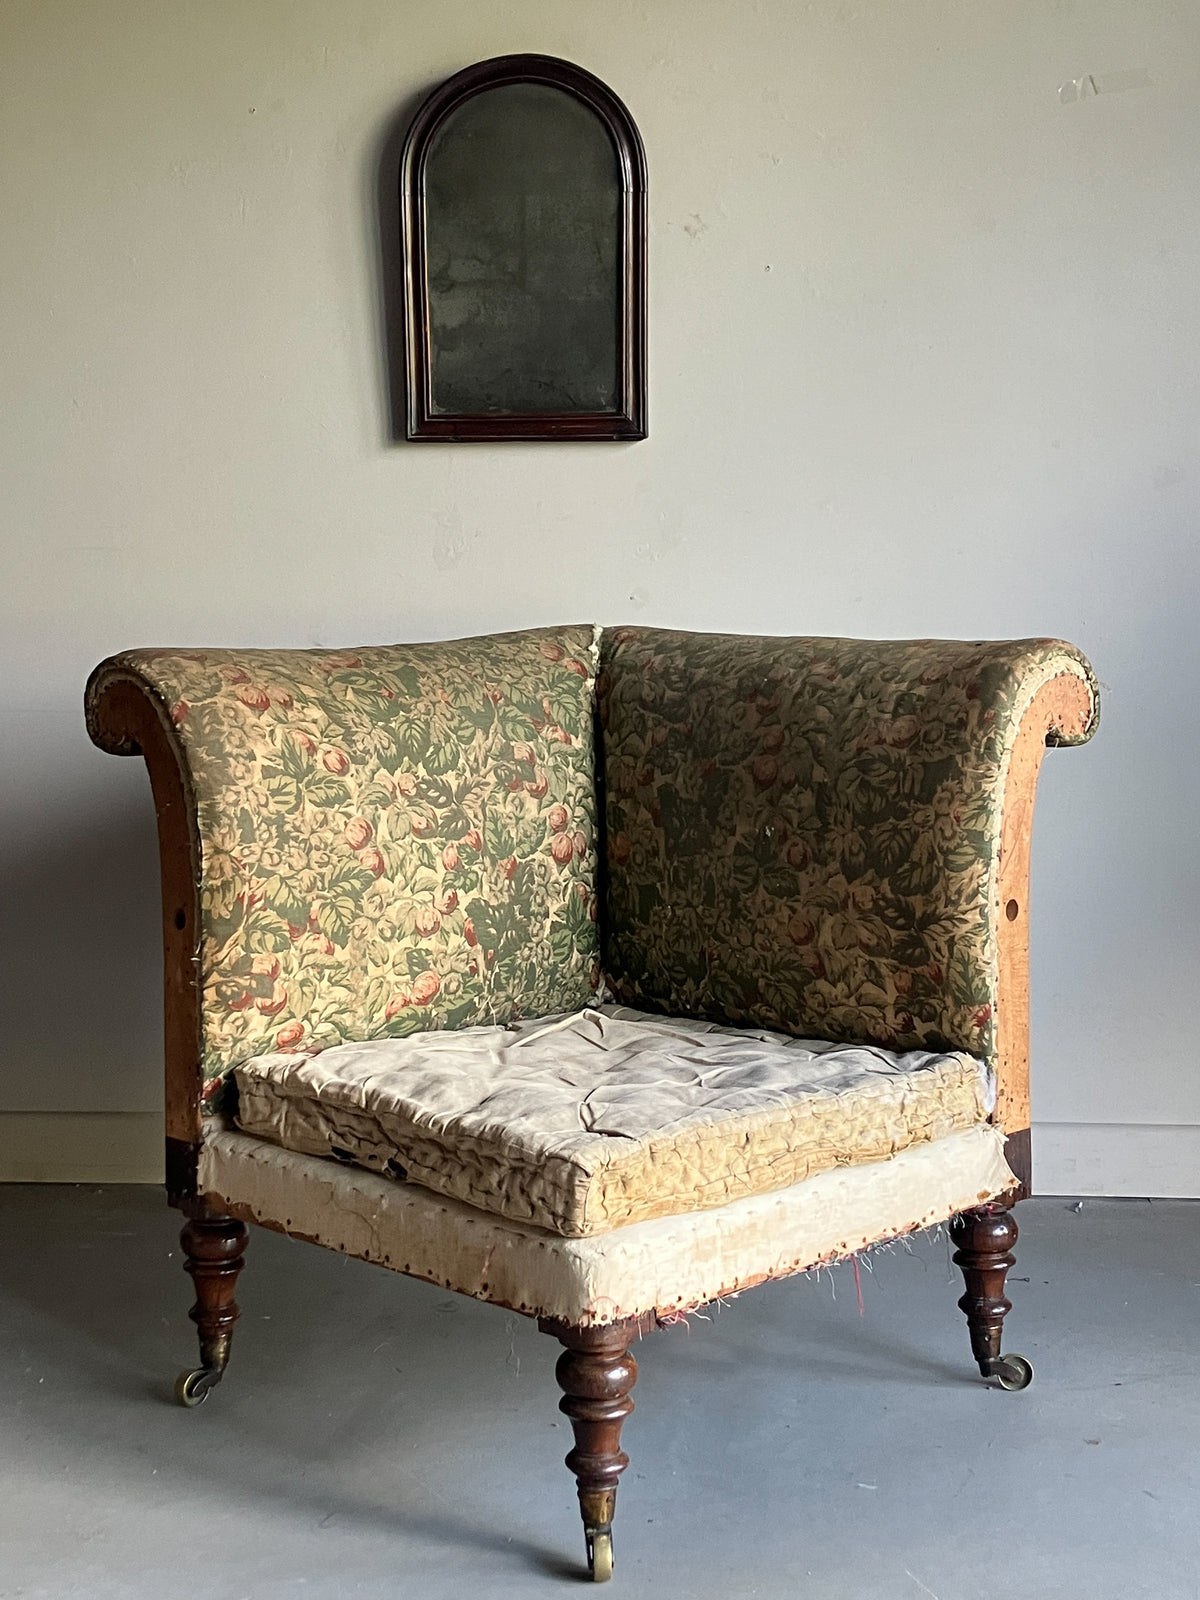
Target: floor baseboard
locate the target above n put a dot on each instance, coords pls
(1142, 1160)
(81, 1147)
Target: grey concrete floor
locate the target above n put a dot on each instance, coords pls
(379, 1437)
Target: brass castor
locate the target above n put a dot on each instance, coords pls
(599, 1553)
(1012, 1372)
(193, 1388)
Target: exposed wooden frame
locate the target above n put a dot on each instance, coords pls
(1060, 712)
(125, 719)
(628, 421)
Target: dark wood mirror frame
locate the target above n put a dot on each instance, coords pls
(625, 420)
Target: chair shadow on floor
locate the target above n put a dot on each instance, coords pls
(337, 1364)
(93, 1291)
(97, 1315)
(101, 1301)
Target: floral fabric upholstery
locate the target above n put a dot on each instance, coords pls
(393, 838)
(802, 834)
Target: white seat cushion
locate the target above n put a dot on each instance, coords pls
(606, 1117)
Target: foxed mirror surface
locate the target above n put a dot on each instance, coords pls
(523, 203)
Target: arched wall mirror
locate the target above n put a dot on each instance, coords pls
(523, 205)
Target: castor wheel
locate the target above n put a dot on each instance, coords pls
(1012, 1372)
(193, 1388)
(599, 1553)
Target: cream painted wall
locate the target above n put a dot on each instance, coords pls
(924, 361)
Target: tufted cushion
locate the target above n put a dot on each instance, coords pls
(804, 833)
(392, 838)
(591, 1121)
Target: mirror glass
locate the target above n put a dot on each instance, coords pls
(523, 204)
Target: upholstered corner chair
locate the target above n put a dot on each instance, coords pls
(596, 974)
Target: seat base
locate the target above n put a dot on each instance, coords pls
(662, 1267)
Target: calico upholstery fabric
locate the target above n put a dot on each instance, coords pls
(803, 834)
(392, 839)
(666, 1265)
(605, 1117)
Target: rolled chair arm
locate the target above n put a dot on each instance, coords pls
(127, 716)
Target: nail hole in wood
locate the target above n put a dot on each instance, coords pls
(1012, 910)
(181, 919)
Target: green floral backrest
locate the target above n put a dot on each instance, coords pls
(802, 833)
(392, 839)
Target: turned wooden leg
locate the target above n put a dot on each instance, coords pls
(985, 1238)
(596, 1372)
(213, 1247)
